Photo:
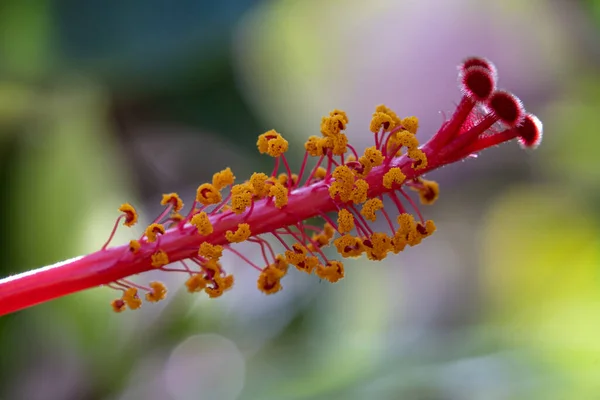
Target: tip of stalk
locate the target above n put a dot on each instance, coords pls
(507, 107)
(530, 132)
(478, 62)
(477, 83)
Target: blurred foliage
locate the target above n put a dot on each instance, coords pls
(27, 38)
(594, 6)
(153, 44)
(574, 159)
(543, 283)
(90, 91)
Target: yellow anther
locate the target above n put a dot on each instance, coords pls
(210, 251)
(398, 242)
(212, 267)
(341, 113)
(320, 173)
(227, 282)
(173, 199)
(419, 157)
(118, 305)
(327, 143)
(322, 239)
(296, 255)
(220, 285)
(427, 229)
(411, 124)
(338, 189)
(339, 144)
(260, 188)
(343, 174)
(406, 139)
(315, 146)
(208, 194)
(269, 280)
(328, 231)
(370, 207)
(430, 227)
(159, 259)
(280, 194)
(134, 246)
(176, 217)
(153, 230)
(272, 143)
(343, 183)
(377, 246)
(371, 158)
(332, 125)
(241, 234)
(407, 223)
(410, 232)
(408, 229)
(345, 221)
(308, 264)
(158, 292)
(241, 198)
(333, 271)
(381, 120)
(393, 177)
(283, 179)
(383, 109)
(131, 215)
(360, 191)
(429, 191)
(223, 178)
(130, 297)
(202, 223)
(349, 246)
(196, 283)
(281, 262)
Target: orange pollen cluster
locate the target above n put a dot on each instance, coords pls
(153, 231)
(174, 200)
(159, 259)
(131, 215)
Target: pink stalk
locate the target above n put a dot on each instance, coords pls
(109, 265)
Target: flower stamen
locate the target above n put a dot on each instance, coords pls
(343, 181)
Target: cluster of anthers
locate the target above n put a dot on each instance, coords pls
(345, 190)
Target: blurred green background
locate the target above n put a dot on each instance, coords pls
(106, 102)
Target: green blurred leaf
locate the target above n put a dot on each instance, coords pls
(16, 102)
(570, 148)
(542, 279)
(26, 38)
(594, 7)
